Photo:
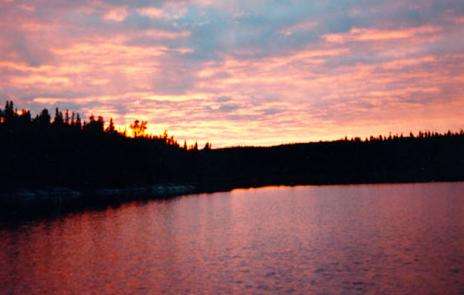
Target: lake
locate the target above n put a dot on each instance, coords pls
(384, 238)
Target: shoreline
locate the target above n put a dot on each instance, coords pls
(30, 203)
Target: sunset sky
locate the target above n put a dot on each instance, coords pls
(245, 72)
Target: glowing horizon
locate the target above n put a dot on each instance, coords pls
(244, 73)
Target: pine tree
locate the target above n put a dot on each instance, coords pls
(66, 117)
(58, 120)
(78, 123)
(110, 128)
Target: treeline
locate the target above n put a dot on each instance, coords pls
(67, 151)
(420, 158)
(68, 122)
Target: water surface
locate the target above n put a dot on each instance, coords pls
(329, 239)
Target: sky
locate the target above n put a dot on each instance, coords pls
(244, 72)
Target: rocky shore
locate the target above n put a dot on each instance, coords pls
(31, 201)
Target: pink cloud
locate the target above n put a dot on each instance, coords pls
(368, 80)
(299, 27)
(366, 35)
(151, 12)
(116, 14)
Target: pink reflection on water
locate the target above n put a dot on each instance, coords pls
(329, 239)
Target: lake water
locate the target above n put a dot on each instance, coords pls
(406, 238)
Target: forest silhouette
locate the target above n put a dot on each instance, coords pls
(66, 151)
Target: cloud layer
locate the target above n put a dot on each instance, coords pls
(241, 72)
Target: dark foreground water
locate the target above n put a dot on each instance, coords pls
(330, 239)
